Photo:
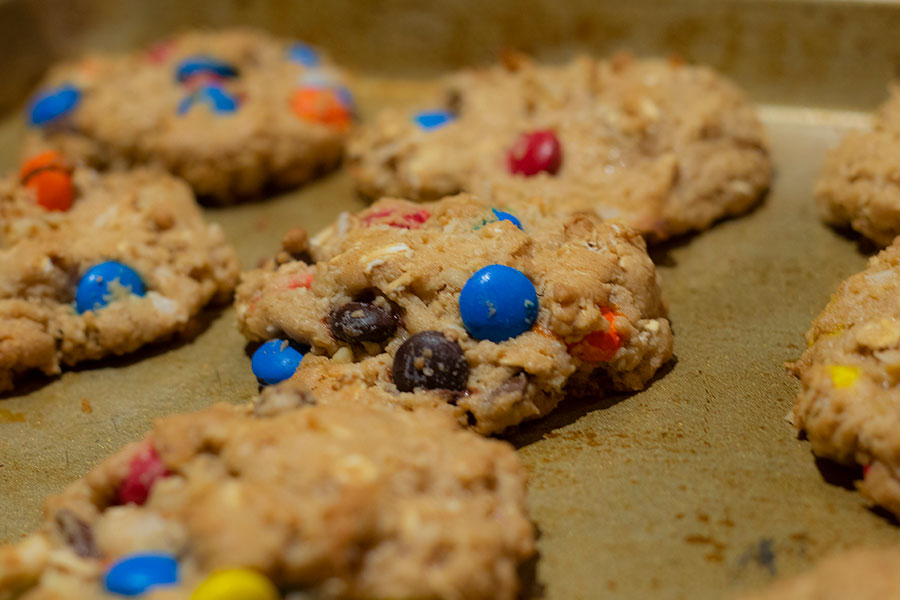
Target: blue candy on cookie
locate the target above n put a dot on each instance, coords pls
(94, 290)
(203, 65)
(53, 104)
(135, 574)
(217, 99)
(303, 54)
(433, 119)
(276, 361)
(498, 303)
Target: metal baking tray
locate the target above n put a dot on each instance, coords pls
(696, 488)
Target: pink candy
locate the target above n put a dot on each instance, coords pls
(535, 152)
(143, 471)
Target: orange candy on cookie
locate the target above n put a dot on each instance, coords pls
(599, 346)
(322, 105)
(49, 177)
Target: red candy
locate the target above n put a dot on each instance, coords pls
(598, 346)
(412, 220)
(535, 152)
(47, 174)
(143, 471)
(303, 281)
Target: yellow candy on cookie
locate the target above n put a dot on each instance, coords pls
(843, 376)
(236, 584)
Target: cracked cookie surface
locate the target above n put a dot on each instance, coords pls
(664, 147)
(400, 269)
(145, 220)
(233, 112)
(342, 501)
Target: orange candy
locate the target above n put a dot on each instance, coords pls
(599, 346)
(321, 105)
(48, 176)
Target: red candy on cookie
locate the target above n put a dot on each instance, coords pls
(47, 174)
(143, 471)
(412, 220)
(598, 346)
(535, 152)
(321, 105)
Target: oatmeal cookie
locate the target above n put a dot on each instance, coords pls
(339, 501)
(233, 112)
(93, 265)
(859, 186)
(664, 147)
(459, 305)
(849, 376)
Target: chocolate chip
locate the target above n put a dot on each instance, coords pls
(431, 361)
(76, 534)
(356, 322)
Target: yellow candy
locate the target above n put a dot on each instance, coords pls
(236, 584)
(843, 376)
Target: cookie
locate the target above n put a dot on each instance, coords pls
(459, 305)
(863, 574)
(849, 375)
(859, 186)
(340, 501)
(93, 265)
(233, 112)
(661, 146)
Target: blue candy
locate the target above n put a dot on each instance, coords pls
(195, 65)
(505, 216)
(432, 119)
(303, 54)
(346, 98)
(53, 104)
(218, 100)
(93, 289)
(136, 573)
(275, 361)
(498, 303)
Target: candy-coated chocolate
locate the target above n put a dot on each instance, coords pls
(432, 119)
(94, 288)
(53, 104)
(430, 361)
(599, 346)
(216, 98)
(236, 584)
(275, 361)
(50, 179)
(134, 574)
(303, 54)
(321, 105)
(843, 376)
(505, 216)
(193, 65)
(498, 303)
(535, 152)
(143, 471)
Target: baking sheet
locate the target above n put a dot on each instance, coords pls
(696, 488)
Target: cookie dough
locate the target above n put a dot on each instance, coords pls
(849, 376)
(664, 147)
(129, 261)
(569, 306)
(859, 186)
(339, 501)
(233, 112)
(866, 574)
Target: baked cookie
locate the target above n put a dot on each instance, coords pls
(849, 375)
(232, 112)
(865, 574)
(859, 185)
(491, 316)
(664, 147)
(341, 501)
(93, 265)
